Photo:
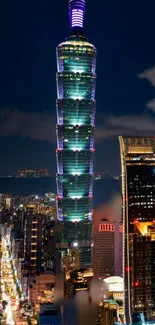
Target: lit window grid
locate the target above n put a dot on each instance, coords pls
(76, 82)
(79, 112)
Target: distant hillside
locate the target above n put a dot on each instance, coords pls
(103, 188)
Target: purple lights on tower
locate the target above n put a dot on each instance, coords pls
(76, 13)
(77, 18)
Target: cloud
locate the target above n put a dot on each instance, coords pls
(40, 126)
(133, 122)
(151, 104)
(129, 125)
(148, 74)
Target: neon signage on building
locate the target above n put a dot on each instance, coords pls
(106, 227)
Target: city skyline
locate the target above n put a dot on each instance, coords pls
(73, 245)
(27, 102)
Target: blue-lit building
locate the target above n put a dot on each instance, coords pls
(49, 315)
(76, 105)
(138, 319)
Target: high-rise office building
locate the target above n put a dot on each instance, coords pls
(107, 246)
(103, 249)
(33, 241)
(76, 80)
(142, 246)
(138, 191)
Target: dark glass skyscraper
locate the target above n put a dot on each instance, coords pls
(138, 191)
(76, 80)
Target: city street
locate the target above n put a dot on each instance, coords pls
(10, 298)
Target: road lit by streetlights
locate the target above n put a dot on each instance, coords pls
(8, 286)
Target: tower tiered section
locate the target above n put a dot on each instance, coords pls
(76, 105)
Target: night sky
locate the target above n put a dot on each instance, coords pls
(123, 32)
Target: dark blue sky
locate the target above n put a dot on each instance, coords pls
(123, 32)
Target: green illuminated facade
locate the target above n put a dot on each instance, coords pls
(76, 80)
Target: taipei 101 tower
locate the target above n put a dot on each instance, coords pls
(76, 105)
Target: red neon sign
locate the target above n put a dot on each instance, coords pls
(106, 227)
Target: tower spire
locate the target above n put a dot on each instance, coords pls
(76, 14)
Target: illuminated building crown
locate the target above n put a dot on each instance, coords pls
(76, 14)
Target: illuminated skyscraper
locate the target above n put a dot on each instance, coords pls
(143, 268)
(76, 80)
(33, 242)
(107, 248)
(138, 191)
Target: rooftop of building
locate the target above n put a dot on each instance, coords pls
(114, 283)
(137, 145)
